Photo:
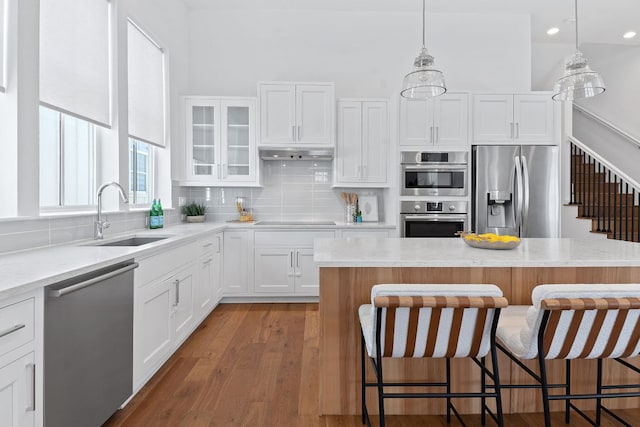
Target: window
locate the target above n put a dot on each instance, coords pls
(75, 51)
(3, 40)
(67, 160)
(141, 165)
(146, 78)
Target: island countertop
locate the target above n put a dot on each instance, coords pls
(447, 252)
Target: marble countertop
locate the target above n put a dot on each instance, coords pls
(25, 271)
(397, 252)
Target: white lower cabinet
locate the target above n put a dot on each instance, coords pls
(21, 360)
(182, 303)
(174, 291)
(284, 262)
(17, 392)
(367, 233)
(238, 262)
(209, 282)
(152, 329)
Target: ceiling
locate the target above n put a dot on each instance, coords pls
(600, 21)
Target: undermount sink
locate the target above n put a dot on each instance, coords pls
(133, 241)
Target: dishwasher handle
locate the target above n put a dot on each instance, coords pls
(56, 293)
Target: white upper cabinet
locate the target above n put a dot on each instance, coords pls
(220, 141)
(438, 122)
(513, 118)
(297, 114)
(363, 143)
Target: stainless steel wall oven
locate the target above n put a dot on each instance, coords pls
(434, 173)
(432, 218)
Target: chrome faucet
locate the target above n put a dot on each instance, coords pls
(101, 224)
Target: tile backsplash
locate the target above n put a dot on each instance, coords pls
(298, 190)
(291, 190)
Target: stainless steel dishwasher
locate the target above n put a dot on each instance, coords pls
(88, 346)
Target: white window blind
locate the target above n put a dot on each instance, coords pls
(146, 88)
(74, 58)
(3, 40)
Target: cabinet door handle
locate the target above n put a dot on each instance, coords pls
(511, 130)
(176, 283)
(293, 132)
(431, 135)
(32, 406)
(219, 245)
(297, 259)
(437, 134)
(207, 261)
(299, 133)
(208, 245)
(11, 330)
(517, 130)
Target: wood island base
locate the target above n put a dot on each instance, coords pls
(344, 289)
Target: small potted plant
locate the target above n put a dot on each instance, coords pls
(194, 212)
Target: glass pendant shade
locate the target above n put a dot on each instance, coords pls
(424, 81)
(578, 81)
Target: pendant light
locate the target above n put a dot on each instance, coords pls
(578, 81)
(424, 81)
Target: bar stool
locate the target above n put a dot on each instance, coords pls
(434, 321)
(574, 322)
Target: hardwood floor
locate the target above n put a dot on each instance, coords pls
(257, 365)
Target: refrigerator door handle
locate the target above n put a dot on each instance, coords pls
(525, 184)
(517, 211)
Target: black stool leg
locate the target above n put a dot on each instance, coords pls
(599, 391)
(483, 387)
(496, 382)
(380, 389)
(448, 390)
(567, 403)
(545, 389)
(362, 378)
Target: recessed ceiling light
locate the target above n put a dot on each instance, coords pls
(629, 34)
(552, 31)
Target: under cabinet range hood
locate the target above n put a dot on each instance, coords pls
(269, 153)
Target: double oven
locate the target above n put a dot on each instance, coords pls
(437, 183)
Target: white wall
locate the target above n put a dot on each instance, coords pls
(366, 54)
(619, 66)
(547, 63)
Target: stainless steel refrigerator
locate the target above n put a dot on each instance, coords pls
(515, 190)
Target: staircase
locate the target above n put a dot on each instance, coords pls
(604, 197)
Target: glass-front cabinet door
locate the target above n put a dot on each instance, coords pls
(238, 140)
(203, 134)
(220, 141)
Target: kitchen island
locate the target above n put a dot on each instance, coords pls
(350, 267)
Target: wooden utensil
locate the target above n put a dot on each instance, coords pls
(345, 198)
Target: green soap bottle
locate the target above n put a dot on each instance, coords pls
(160, 214)
(153, 215)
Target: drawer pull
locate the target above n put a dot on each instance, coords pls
(12, 330)
(208, 245)
(32, 406)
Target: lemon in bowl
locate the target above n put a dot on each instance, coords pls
(490, 241)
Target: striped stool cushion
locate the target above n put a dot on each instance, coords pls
(586, 321)
(431, 320)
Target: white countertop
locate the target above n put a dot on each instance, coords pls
(25, 271)
(28, 270)
(397, 252)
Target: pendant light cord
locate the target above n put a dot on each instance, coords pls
(424, 31)
(576, 12)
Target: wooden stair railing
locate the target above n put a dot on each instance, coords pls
(605, 198)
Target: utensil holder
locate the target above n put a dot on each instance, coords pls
(350, 211)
